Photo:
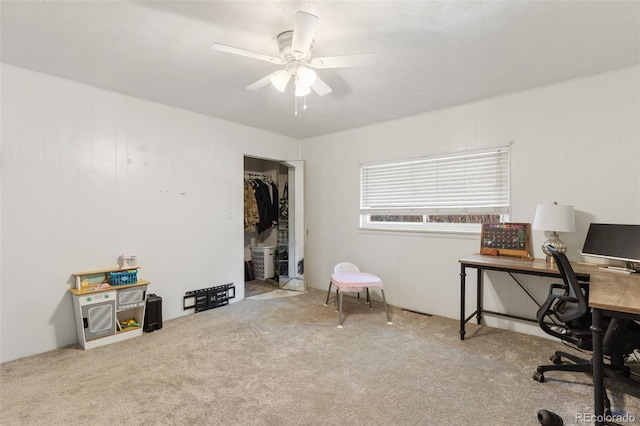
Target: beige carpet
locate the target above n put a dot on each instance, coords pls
(276, 293)
(257, 287)
(282, 361)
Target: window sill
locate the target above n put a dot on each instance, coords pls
(436, 233)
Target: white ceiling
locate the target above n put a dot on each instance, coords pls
(430, 54)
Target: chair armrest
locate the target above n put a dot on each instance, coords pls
(564, 298)
(557, 286)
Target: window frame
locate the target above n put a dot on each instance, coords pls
(365, 222)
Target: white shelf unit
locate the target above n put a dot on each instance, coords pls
(101, 309)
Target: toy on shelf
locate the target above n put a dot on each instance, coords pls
(128, 324)
(128, 260)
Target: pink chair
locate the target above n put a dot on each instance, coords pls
(348, 279)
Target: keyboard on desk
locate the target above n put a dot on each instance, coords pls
(617, 269)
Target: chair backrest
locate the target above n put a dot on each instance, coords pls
(345, 267)
(581, 307)
(566, 315)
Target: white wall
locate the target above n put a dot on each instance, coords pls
(88, 174)
(576, 143)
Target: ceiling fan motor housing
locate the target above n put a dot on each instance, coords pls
(284, 48)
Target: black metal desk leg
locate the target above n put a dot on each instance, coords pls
(598, 366)
(463, 274)
(479, 296)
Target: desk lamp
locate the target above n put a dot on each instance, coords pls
(554, 218)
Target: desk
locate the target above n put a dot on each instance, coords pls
(614, 293)
(510, 265)
(608, 291)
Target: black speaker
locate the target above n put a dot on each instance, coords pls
(153, 313)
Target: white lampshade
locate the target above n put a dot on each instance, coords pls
(306, 75)
(280, 80)
(554, 217)
(301, 88)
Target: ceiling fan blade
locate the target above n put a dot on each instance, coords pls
(262, 82)
(320, 87)
(346, 61)
(247, 53)
(303, 33)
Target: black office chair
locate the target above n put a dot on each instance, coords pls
(566, 315)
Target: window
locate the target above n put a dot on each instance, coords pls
(451, 192)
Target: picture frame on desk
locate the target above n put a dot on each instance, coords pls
(506, 239)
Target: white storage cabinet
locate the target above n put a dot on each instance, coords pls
(263, 261)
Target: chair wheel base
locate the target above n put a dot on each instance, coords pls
(389, 322)
(547, 418)
(326, 304)
(340, 326)
(539, 377)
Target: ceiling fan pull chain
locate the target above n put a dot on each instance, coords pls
(305, 102)
(295, 102)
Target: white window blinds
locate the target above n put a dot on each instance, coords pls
(470, 182)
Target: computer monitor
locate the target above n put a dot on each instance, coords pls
(613, 241)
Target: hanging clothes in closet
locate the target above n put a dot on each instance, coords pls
(251, 214)
(274, 203)
(264, 200)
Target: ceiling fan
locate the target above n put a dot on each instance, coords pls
(294, 47)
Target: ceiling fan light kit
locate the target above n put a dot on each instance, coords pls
(294, 49)
(280, 80)
(301, 88)
(306, 75)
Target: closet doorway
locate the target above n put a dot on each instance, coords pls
(273, 225)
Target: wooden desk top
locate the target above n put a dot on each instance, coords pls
(530, 265)
(607, 290)
(615, 292)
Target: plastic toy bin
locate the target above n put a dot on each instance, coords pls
(123, 278)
